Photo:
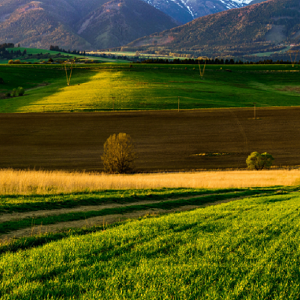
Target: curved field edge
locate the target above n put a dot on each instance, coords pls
(227, 251)
(148, 87)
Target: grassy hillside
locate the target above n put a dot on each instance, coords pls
(34, 55)
(245, 249)
(144, 87)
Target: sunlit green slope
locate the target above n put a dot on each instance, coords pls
(119, 86)
(246, 249)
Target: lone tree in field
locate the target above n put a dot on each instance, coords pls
(259, 161)
(119, 154)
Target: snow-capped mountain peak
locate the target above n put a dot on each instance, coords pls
(187, 10)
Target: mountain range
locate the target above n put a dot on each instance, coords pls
(77, 24)
(187, 10)
(260, 27)
(153, 25)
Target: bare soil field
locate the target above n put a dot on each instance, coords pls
(165, 140)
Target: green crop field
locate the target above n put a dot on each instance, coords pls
(104, 87)
(35, 51)
(243, 249)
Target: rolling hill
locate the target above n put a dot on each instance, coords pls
(259, 27)
(79, 25)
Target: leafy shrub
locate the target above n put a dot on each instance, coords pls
(14, 93)
(7, 95)
(16, 62)
(20, 91)
(118, 154)
(259, 161)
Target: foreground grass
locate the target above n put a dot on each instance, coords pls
(56, 182)
(247, 249)
(144, 87)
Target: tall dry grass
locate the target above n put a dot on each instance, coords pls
(49, 182)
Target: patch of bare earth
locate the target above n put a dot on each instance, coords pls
(295, 89)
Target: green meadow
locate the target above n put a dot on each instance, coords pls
(102, 87)
(53, 54)
(244, 249)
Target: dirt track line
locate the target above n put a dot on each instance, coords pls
(109, 219)
(55, 212)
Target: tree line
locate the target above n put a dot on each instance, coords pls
(215, 61)
(56, 48)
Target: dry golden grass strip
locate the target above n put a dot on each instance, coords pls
(49, 182)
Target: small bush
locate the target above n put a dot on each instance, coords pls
(20, 91)
(7, 95)
(259, 161)
(14, 93)
(16, 62)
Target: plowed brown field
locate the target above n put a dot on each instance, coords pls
(165, 140)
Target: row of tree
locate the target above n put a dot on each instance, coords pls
(56, 48)
(6, 45)
(215, 61)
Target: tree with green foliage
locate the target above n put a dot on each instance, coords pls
(259, 161)
(119, 154)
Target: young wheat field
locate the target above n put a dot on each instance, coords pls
(244, 249)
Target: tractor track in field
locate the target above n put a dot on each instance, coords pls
(99, 220)
(85, 208)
